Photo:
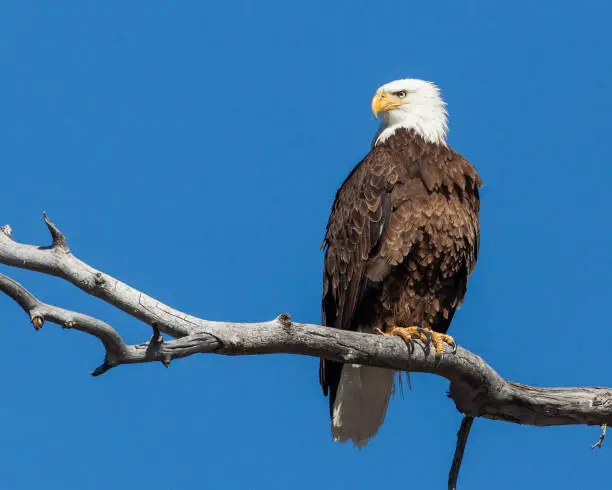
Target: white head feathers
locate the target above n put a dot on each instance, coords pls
(412, 104)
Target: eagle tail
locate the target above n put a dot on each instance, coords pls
(361, 403)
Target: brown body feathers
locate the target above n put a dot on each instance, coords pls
(401, 242)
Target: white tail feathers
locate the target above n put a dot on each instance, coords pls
(361, 403)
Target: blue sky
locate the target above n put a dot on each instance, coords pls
(192, 149)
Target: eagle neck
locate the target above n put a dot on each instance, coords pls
(402, 137)
(431, 130)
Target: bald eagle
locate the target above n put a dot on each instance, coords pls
(401, 242)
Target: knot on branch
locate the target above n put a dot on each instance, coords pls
(284, 320)
(7, 230)
(602, 400)
(69, 324)
(97, 283)
(99, 279)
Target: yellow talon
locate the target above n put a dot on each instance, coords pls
(426, 335)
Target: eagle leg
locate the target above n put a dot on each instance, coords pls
(426, 335)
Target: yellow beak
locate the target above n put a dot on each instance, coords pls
(383, 102)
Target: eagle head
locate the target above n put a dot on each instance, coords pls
(412, 104)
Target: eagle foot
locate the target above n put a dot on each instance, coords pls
(428, 336)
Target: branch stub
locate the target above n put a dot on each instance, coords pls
(38, 322)
(59, 240)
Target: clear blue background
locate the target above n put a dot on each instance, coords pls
(192, 149)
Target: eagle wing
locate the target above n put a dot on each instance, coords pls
(358, 220)
(359, 216)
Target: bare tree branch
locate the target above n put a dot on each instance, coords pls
(475, 387)
(39, 312)
(56, 260)
(117, 351)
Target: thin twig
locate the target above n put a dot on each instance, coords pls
(600, 441)
(462, 437)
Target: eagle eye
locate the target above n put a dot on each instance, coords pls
(401, 94)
